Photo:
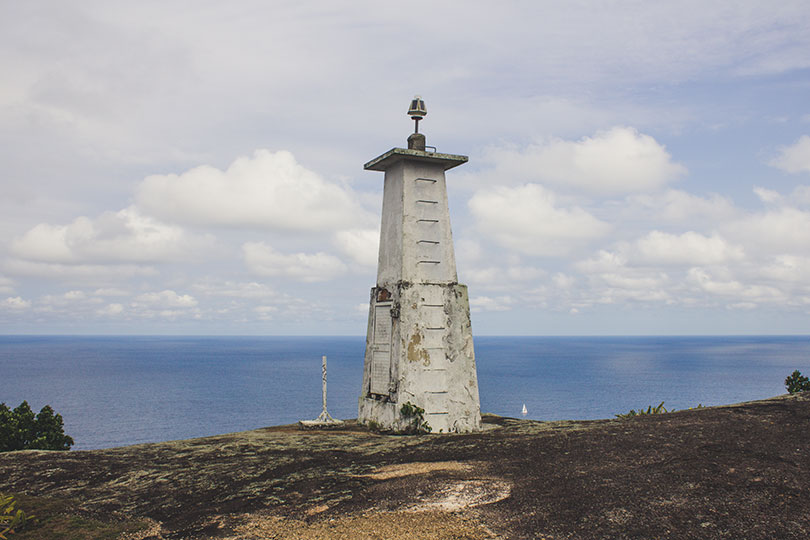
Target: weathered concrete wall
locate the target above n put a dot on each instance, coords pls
(389, 262)
(419, 345)
(416, 242)
(431, 362)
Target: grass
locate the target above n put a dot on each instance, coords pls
(58, 519)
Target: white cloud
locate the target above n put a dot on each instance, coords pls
(781, 230)
(677, 206)
(755, 259)
(46, 243)
(768, 196)
(6, 285)
(111, 310)
(362, 245)
(265, 313)
(526, 219)
(689, 248)
(743, 305)
(794, 158)
(16, 303)
(486, 303)
(267, 190)
(800, 196)
(618, 289)
(489, 276)
(496, 278)
(787, 270)
(468, 249)
(94, 88)
(523, 273)
(110, 291)
(123, 236)
(603, 261)
(732, 288)
(751, 257)
(166, 299)
(75, 301)
(610, 279)
(77, 273)
(235, 289)
(638, 282)
(617, 161)
(563, 281)
(263, 260)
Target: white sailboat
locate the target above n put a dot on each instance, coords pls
(525, 411)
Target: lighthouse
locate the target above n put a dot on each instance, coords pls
(419, 345)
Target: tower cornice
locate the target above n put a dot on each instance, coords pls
(386, 160)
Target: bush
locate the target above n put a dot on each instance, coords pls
(11, 517)
(796, 382)
(415, 416)
(20, 429)
(650, 410)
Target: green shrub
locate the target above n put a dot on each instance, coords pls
(415, 416)
(20, 429)
(68, 519)
(796, 382)
(650, 410)
(11, 517)
(660, 409)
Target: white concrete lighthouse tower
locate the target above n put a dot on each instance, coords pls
(419, 346)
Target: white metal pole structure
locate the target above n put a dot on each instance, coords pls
(324, 419)
(324, 413)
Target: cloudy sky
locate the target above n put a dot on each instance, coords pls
(196, 167)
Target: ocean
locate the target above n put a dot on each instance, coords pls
(122, 390)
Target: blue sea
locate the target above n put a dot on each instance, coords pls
(115, 391)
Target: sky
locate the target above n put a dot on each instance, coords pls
(178, 167)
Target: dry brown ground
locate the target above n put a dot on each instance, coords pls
(740, 471)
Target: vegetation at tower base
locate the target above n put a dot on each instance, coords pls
(413, 423)
(415, 418)
(736, 471)
(796, 382)
(20, 429)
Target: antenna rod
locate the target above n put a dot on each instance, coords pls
(324, 385)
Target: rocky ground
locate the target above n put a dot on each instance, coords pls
(740, 471)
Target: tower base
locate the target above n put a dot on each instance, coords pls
(419, 350)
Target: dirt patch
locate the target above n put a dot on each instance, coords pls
(447, 494)
(369, 526)
(152, 531)
(421, 467)
(463, 494)
(317, 509)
